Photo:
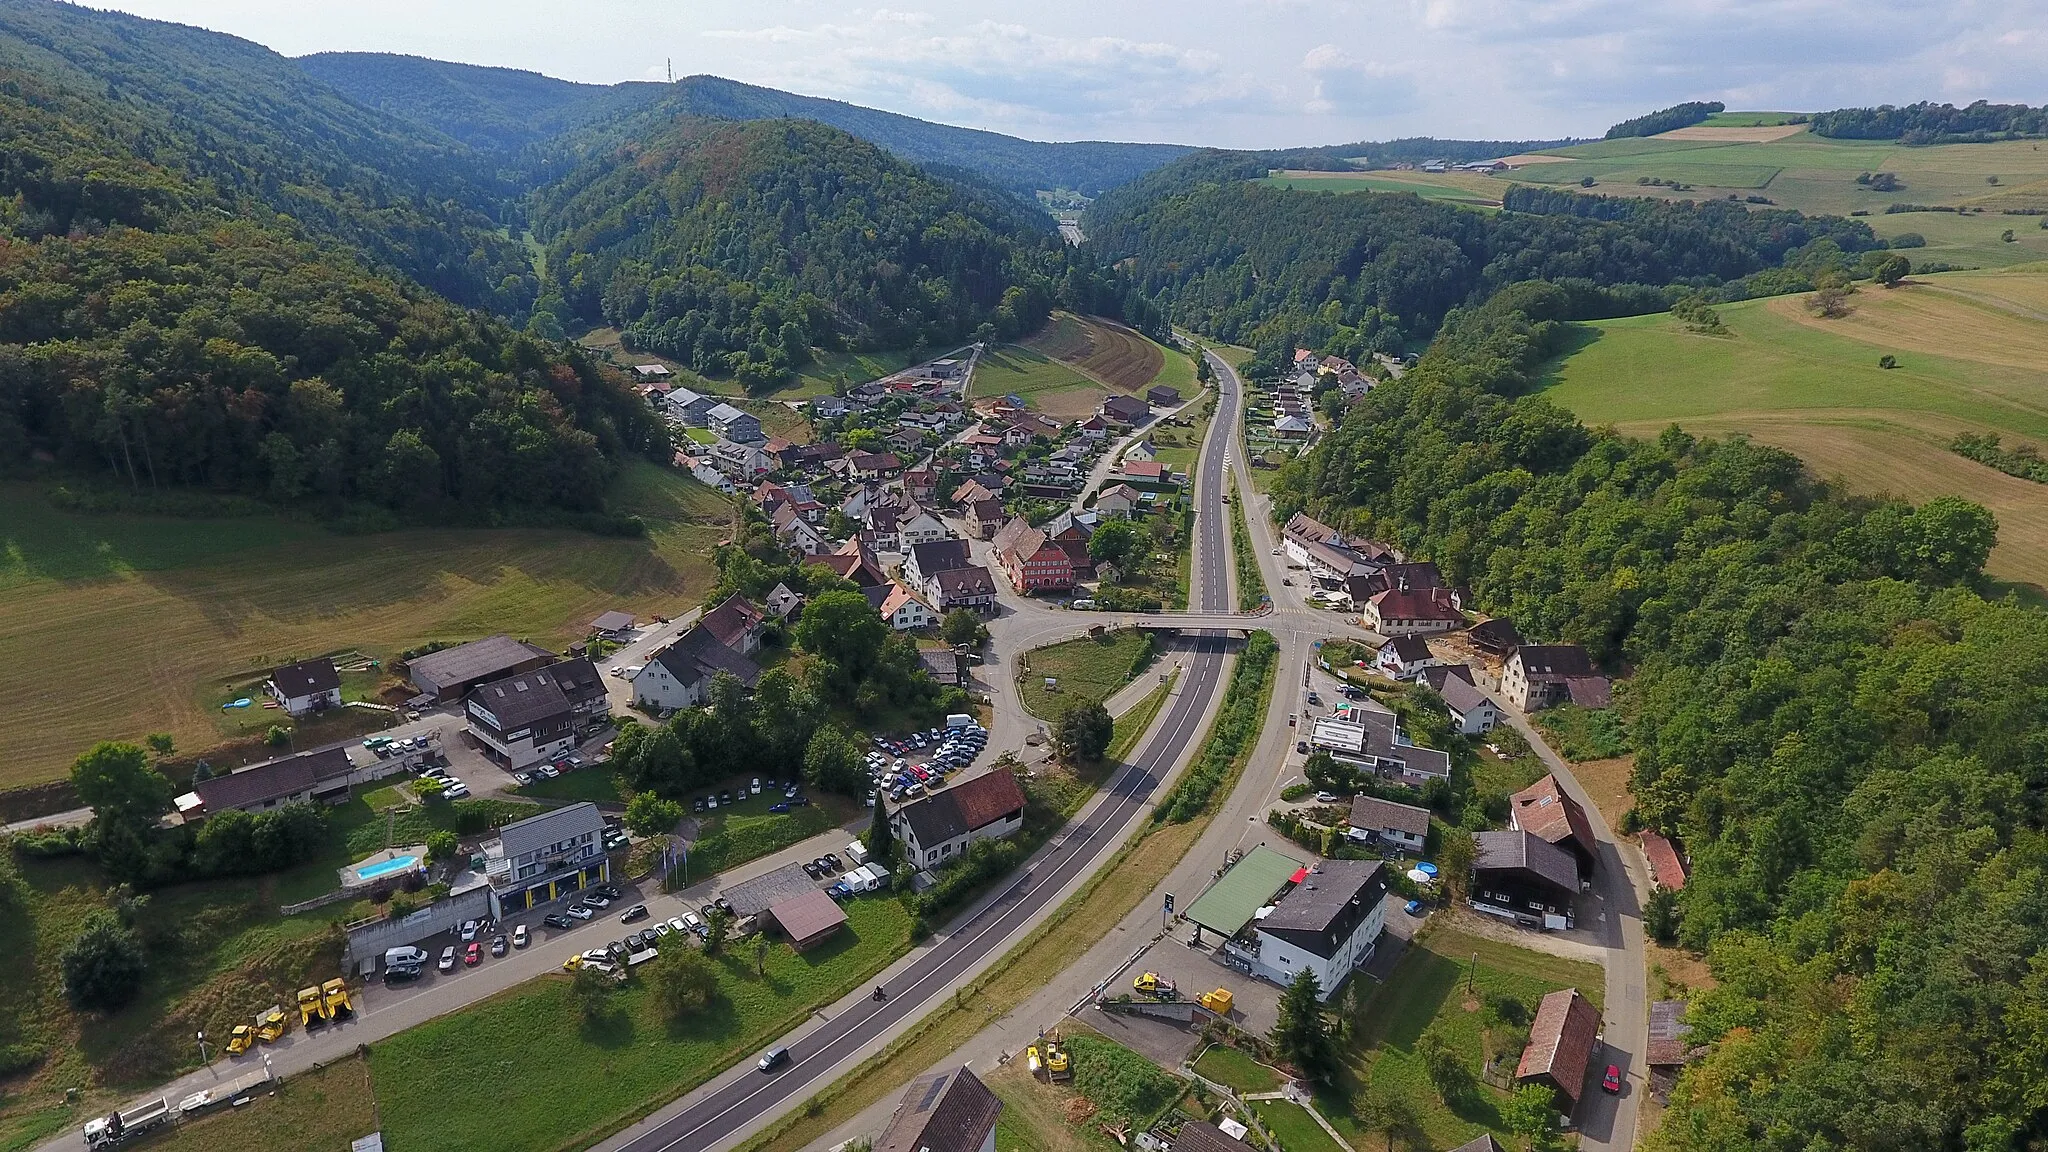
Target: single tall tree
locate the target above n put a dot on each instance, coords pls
(1300, 1034)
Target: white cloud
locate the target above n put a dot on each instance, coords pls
(1243, 73)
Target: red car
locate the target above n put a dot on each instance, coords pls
(1612, 1081)
(473, 955)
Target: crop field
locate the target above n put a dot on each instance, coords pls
(1466, 188)
(1041, 381)
(1111, 354)
(193, 611)
(1973, 353)
(533, 1071)
(1807, 172)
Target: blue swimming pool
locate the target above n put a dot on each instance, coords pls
(397, 864)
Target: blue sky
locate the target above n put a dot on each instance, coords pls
(1233, 73)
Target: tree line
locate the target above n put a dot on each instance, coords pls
(1666, 119)
(1831, 713)
(1929, 123)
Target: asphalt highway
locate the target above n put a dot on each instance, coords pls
(745, 1098)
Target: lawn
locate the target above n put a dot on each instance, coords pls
(323, 1110)
(746, 830)
(601, 1075)
(1428, 989)
(195, 605)
(824, 375)
(1293, 1127)
(1089, 670)
(1041, 381)
(599, 785)
(1226, 1065)
(1973, 348)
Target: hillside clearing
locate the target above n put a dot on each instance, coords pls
(1041, 381)
(198, 609)
(1974, 358)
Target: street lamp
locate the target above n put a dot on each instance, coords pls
(202, 1047)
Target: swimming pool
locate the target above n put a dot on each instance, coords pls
(395, 864)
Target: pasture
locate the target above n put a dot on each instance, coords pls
(113, 626)
(1041, 381)
(1973, 353)
(1800, 170)
(1464, 188)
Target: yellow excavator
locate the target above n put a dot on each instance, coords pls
(240, 1040)
(334, 995)
(312, 1012)
(1057, 1066)
(270, 1025)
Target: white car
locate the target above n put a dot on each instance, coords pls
(469, 930)
(675, 924)
(580, 912)
(456, 790)
(522, 778)
(519, 936)
(447, 963)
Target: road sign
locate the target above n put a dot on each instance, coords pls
(1169, 901)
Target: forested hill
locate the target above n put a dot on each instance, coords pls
(161, 327)
(254, 134)
(1271, 267)
(506, 109)
(1842, 732)
(736, 247)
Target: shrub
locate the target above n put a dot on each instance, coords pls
(103, 966)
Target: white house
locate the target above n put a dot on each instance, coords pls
(742, 463)
(1378, 821)
(1118, 500)
(904, 611)
(1328, 923)
(1405, 656)
(546, 857)
(916, 525)
(937, 829)
(679, 674)
(305, 687)
(730, 423)
(1472, 711)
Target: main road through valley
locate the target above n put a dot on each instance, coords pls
(744, 1097)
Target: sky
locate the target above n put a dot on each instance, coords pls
(1228, 73)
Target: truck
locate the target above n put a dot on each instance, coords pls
(1156, 986)
(312, 1011)
(111, 1129)
(959, 720)
(334, 996)
(856, 852)
(224, 1093)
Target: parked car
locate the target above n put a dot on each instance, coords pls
(456, 790)
(1301, 746)
(402, 974)
(676, 924)
(547, 771)
(499, 945)
(636, 912)
(832, 858)
(608, 891)
(725, 905)
(522, 779)
(557, 920)
(1612, 1081)
(469, 930)
(783, 807)
(1326, 797)
(447, 963)
(581, 911)
(1413, 907)
(473, 955)
(799, 801)
(597, 899)
(811, 870)
(660, 928)
(697, 805)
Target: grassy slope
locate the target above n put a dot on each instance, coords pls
(1428, 987)
(1042, 381)
(196, 608)
(1813, 173)
(1226, 1065)
(597, 1076)
(1973, 346)
(323, 1110)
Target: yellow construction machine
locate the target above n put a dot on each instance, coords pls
(270, 1025)
(241, 1039)
(312, 1012)
(334, 995)
(1218, 1001)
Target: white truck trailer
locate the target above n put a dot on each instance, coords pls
(111, 1129)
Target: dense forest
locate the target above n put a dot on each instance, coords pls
(1271, 267)
(1846, 735)
(1667, 119)
(164, 322)
(737, 247)
(508, 110)
(1926, 123)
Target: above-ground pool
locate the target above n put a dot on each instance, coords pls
(369, 872)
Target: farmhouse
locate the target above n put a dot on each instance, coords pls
(736, 623)
(970, 587)
(915, 525)
(1119, 500)
(1560, 1045)
(987, 516)
(546, 857)
(1539, 675)
(1521, 876)
(449, 674)
(874, 465)
(306, 687)
(1378, 821)
(794, 531)
(1033, 562)
(932, 557)
(943, 665)
(782, 601)
(651, 372)
(1543, 809)
(1150, 473)
(532, 716)
(1417, 577)
(1667, 870)
(1202, 1136)
(938, 829)
(1495, 637)
(943, 1112)
(853, 562)
(679, 674)
(310, 777)
(1406, 612)
(1142, 450)
(1404, 657)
